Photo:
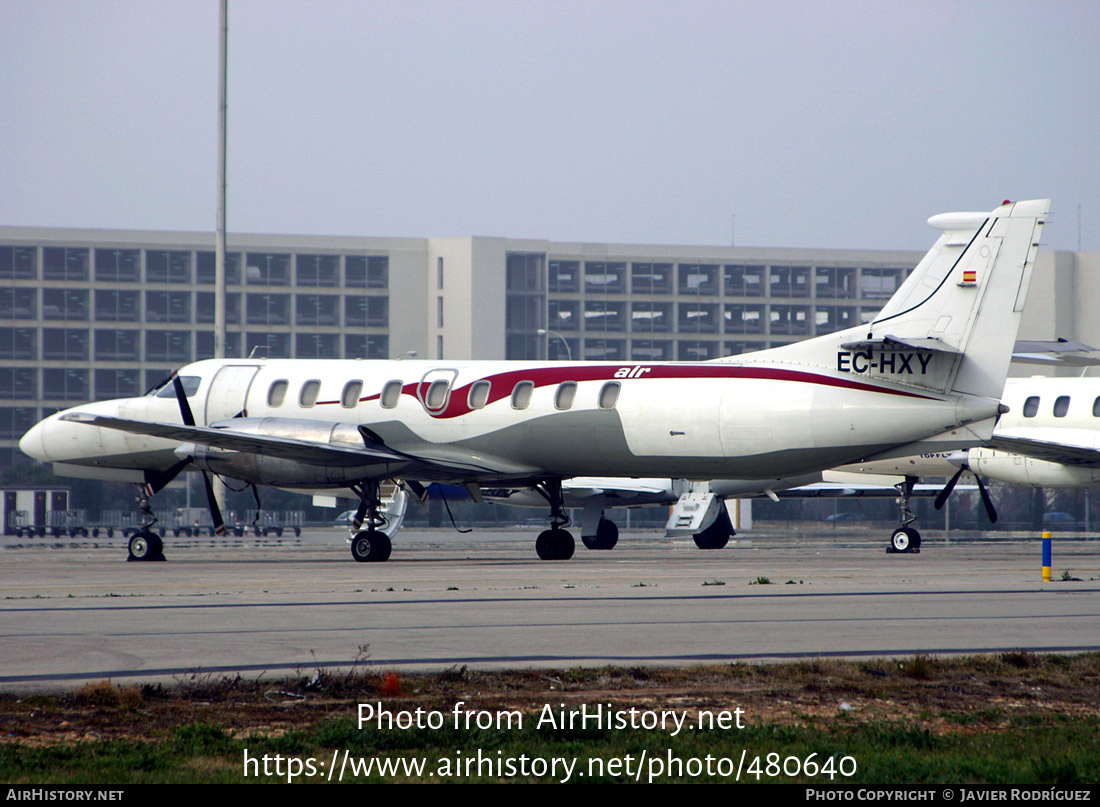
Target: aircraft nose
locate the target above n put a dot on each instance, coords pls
(33, 443)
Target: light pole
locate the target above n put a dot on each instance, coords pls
(546, 332)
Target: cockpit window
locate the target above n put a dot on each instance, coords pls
(190, 387)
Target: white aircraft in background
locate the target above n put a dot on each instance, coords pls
(925, 375)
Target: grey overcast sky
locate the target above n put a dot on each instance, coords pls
(817, 124)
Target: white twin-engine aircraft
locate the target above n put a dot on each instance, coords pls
(925, 375)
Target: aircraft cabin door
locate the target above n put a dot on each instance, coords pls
(228, 391)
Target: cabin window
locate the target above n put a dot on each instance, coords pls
(436, 397)
(521, 394)
(308, 395)
(479, 394)
(1061, 406)
(1096, 408)
(350, 396)
(391, 394)
(563, 398)
(276, 394)
(1031, 406)
(190, 387)
(609, 395)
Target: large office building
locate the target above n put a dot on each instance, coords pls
(94, 314)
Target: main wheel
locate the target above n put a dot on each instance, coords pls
(607, 535)
(717, 535)
(555, 545)
(145, 545)
(371, 546)
(905, 539)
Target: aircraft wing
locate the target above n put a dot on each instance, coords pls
(1079, 447)
(288, 448)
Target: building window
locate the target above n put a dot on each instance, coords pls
(205, 268)
(604, 349)
(117, 384)
(564, 277)
(564, 315)
(744, 281)
(167, 266)
(18, 304)
(604, 278)
(366, 346)
(697, 350)
(117, 265)
(167, 306)
(18, 263)
(741, 318)
(18, 383)
(204, 307)
(316, 345)
(317, 309)
(698, 278)
(65, 344)
(880, 283)
(790, 281)
(831, 281)
(66, 304)
(116, 306)
(651, 350)
(790, 319)
(65, 385)
(116, 345)
(604, 315)
(16, 420)
(18, 343)
(651, 317)
(169, 346)
(65, 263)
(366, 311)
(267, 268)
(523, 271)
(318, 270)
(268, 309)
(697, 317)
(651, 278)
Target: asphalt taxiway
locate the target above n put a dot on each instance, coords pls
(74, 611)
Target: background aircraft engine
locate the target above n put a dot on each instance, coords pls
(290, 470)
(1021, 470)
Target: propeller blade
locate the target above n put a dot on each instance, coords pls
(212, 503)
(941, 498)
(987, 500)
(181, 397)
(156, 481)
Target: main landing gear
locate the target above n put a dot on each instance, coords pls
(556, 543)
(607, 535)
(905, 538)
(718, 534)
(370, 545)
(145, 544)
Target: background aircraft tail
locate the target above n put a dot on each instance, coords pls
(951, 326)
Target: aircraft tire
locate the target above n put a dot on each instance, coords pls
(607, 535)
(555, 545)
(716, 536)
(145, 545)
(371, 546)
(905, 539)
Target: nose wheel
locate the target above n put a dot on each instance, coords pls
(145, 545)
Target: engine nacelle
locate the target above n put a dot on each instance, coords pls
(288, 472)
(1021, 470)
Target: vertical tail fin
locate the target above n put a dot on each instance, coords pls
(951, 325)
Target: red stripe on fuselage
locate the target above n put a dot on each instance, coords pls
(502, 384)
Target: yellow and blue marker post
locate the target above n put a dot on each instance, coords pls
(1046, 556)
